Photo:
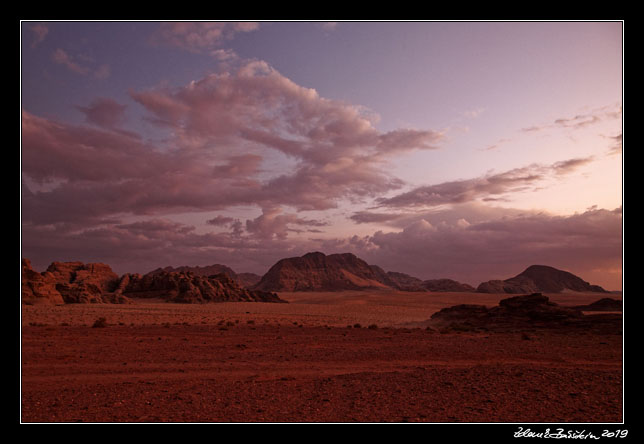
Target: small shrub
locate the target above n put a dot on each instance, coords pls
(373, 327)
(100, 323)
(357, 326)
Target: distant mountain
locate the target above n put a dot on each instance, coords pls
(319, 272)
(539, 278)
(447, 285)
(248, 280)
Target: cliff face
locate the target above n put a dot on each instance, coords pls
(539, 278)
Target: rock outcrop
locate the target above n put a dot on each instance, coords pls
(245, 280)
(188, 287)
(38, 288)
(539, 278)
(70, 283)
(519, 313)
(604, 304)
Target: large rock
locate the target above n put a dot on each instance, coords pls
(539, 278)
(38, 289)
(187, 287)
(521, 312)
(70, 283)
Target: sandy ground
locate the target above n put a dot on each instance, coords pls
(299, 362)
(309, 308)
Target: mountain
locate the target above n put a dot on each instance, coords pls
(319, 272)
(335, 272)
(539, 278)
(247, 280)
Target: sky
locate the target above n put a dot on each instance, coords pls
(460, 150)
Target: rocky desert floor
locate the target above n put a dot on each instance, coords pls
(324, 357)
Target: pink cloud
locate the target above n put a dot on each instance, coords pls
(200, 36)
(40, 32)
(487, 188)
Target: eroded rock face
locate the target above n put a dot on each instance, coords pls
(70, 283)
(187, 287)
(38, 289)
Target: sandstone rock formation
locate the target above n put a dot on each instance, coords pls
(521, 312)
(245, 280)
(188, 287)
(70, 283)
(37, 288)
(539, 278)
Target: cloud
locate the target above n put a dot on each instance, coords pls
(337, 150)
(272, 223)
(496, 145)
(104, 112)
(581, 120)
(570, 165)
(489, 187)
(616, 148)
(220, 221)
(223, 129)
(40, 32)
(199, 37)
(496, 247)
(60, 57)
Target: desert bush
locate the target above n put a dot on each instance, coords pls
(373, 327)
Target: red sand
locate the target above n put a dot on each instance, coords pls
(258, 371)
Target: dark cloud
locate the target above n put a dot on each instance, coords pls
(104, 112)
(491, 187)
(588, 244)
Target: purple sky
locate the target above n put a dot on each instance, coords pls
(440, 149)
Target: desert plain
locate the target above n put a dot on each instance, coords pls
(346, 356)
